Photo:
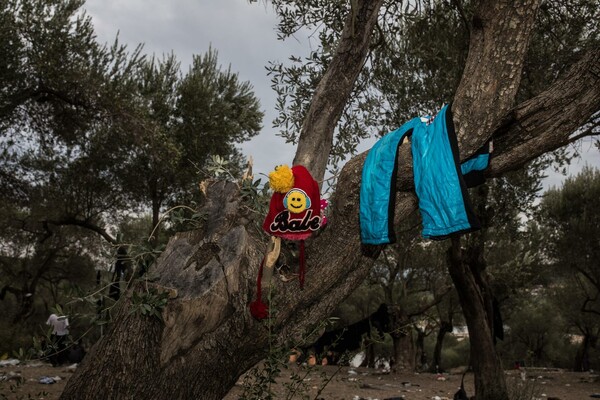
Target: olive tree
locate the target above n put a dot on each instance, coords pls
(207, 337)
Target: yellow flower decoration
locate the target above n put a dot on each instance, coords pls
(282, 179)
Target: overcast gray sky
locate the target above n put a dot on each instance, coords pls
(244, 36)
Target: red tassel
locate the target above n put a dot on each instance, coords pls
(258, 309)
(302, 269)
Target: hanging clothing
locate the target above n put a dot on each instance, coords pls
(438, 175)
(60, 324)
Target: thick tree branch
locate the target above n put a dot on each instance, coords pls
(84, 224)
(549, 120)
(499, 40)
(9, 289)
(331, 95)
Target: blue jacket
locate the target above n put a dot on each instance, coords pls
(443, 199)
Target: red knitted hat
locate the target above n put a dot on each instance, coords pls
(295, 208)
(294, 214)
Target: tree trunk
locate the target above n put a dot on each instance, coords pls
(209, 338)
(404, 351)
(476, 298)
(445, 327)
(420, 355)
(402, 339)
(488, 371)
(582, 358)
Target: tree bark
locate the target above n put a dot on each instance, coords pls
(489, 374)
(209, 338)
(445, 327)
(499, 39)
(549, 120)
(468, 271)
(582, 358)
(420, 355)
(404, 351)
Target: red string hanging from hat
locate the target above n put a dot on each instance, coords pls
(258, 309)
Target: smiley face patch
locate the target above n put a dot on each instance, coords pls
(294, 209)
(296, 201)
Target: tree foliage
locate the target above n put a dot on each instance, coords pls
(415, 62)
(184, 120)
(102, 129)
(93, 136)
(570, 215)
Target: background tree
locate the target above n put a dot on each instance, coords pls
(448, 312)
(573, 223)
(581, 330)
(56, 85)
(36, 276)
(534, 336)
(91, 134)
(570, 218)
(185, 119)
(412, 275)
(102, 130)
(62, 91)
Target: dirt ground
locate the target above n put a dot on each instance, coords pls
(23, 382)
